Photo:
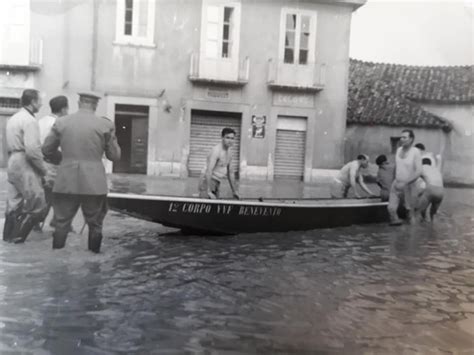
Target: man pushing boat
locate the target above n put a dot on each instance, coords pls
(218, 166)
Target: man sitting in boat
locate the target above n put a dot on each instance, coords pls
(218, 167)
(349, 176)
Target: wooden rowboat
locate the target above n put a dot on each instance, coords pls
(203, 216)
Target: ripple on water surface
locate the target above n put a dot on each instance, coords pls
(363, 289)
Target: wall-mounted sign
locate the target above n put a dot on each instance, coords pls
(258, 126)
(293, 99)
(217, 93)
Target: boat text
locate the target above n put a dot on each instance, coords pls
(221, 209)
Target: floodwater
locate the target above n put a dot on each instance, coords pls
(358, 290)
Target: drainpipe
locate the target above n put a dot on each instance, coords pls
(95, 25)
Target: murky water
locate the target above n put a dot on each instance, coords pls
(364, 289)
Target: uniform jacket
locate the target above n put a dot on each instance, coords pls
(83, 138)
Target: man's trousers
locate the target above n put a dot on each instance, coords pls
(94, 209)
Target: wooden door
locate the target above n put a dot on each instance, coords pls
(139, 145)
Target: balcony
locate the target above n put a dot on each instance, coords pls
(17, 56)
(225, 71)
(309, 77)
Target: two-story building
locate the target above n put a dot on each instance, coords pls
(174, 73)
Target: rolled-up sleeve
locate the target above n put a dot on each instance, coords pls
(33, 145)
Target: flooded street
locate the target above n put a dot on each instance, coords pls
(363, 289)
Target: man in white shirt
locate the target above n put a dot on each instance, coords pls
(407, 171)
(25, 196)
(59, 108)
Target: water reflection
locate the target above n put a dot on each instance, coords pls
(363, 289)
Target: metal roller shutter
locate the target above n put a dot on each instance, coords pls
(206, 133)
(289, 154)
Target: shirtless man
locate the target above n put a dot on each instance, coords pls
(348, 177)
(435, 159)
(218, 167)
(407, 171)
(434, 191)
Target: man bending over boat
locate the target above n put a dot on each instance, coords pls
(434, 191)
(218, 167)
(350, 176)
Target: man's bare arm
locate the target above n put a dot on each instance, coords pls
(232, 183)
(353, 178)
(417, 166)
(210, 168)
(364, 186)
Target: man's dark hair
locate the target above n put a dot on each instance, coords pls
(420, 146)
(380, 159)
(58, 103)
(362, 157)
(28, 96)
(426, 161)
(226, 131)
(411, 134)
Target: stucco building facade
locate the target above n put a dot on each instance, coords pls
(174, 73)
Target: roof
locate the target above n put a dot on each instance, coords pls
(388, 94)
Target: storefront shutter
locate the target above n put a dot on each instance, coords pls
(289, 154)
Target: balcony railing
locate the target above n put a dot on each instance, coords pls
(309, 77)
(16, 56)
(219, 70)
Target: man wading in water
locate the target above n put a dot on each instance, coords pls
(407, 171)
(218, 167)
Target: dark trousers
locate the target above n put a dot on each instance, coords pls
(94, 209)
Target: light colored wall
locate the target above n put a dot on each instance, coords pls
(138, 71)
(80, 55)
(66, 29)
(459, 157)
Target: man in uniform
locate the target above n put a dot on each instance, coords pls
(25, 195)
(81, 180)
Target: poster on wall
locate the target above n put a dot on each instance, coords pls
(258, 126)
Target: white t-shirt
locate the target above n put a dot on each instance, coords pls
(45, 125)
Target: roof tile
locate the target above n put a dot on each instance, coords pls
(381, 93)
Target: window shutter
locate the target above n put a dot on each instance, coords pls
(15, 32)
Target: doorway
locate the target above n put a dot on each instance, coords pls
(131, 124)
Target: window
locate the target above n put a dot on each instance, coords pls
(10, 102)
(299, 33)
(15, 33)
(220, 25)
(135, 22)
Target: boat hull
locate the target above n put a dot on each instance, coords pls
(233, 217)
